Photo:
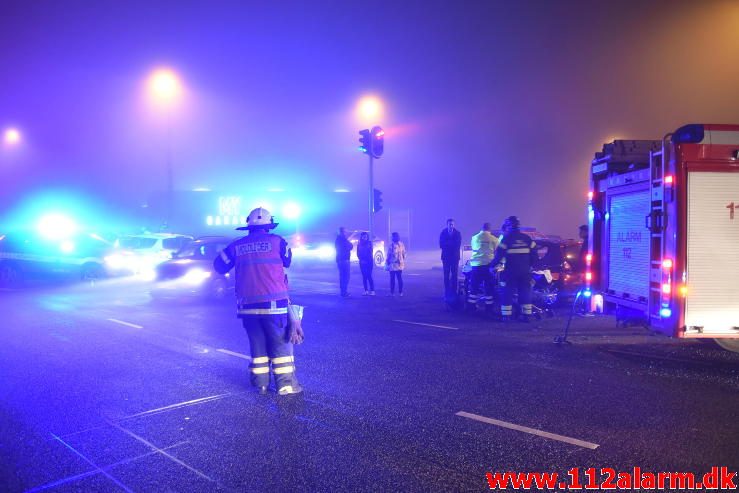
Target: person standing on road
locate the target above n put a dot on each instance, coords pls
(395, 263)
(483, 249)
(366, 263)
(343, 255)
(519, 252)
(450, 242)
(260, 260)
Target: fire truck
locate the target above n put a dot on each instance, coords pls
(664, 232)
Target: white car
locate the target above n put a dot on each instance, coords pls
(140, 254)
(378, 248)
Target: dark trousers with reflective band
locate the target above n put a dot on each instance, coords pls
(367, 281)
(269, 344)
(344, 270)
(481, 286)
(451, 271)
(511, 284)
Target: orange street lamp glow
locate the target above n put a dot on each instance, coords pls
(369, 109)
(12, 136)
(164, 86)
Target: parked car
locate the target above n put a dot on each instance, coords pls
(140, 254)
(560, 258)
(378, 248)
(190, 273)
(25, 256)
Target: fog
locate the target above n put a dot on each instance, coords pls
(491, 108)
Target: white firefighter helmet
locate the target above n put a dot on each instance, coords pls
(260, 218)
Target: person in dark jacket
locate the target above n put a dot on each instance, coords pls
(343, 254)
(518, 251)
(450, 242)
(366, 263)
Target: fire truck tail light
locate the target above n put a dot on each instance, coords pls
(669, 179)
(588, 276)
(666, 288)
(667, 264)
(589, 258)
(590, 195)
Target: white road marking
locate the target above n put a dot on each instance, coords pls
(161, 451)
(97, 468)
(176, 406)
(532, 431)
(427, 325)
(128, 324)
(83, 475)
(238, 355)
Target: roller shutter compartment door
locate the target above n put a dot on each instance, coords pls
(628, 244)
(713, 252)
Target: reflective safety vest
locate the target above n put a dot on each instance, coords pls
(483, 248)
(260, 276)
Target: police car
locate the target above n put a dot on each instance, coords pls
(140, 254)
(29, 256)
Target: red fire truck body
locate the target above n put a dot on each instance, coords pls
(664, 231)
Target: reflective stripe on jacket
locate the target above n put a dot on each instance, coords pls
(519, 252)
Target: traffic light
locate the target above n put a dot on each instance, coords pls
(377, 202)
(365, 142)
(378, 141)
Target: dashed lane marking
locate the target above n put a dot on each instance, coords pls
(238, 355)
(427, 325)
(526, 429)
(127, 324)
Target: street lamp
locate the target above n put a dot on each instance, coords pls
(165, 90)
(369, 109)
(164, 86)
(11, 136)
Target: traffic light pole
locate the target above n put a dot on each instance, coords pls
(371, 198)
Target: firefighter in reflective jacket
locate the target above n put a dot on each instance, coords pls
(483, 249)
(262, 300)
(519, 252)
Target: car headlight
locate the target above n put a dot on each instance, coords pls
(115, 261)
(195, 276)
(326, 251)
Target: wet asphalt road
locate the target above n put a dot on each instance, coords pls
(105, 390)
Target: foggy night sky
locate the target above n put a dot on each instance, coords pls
(492, 107)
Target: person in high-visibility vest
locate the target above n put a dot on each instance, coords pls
(260, 260)
(518, 251)
(483, 250)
